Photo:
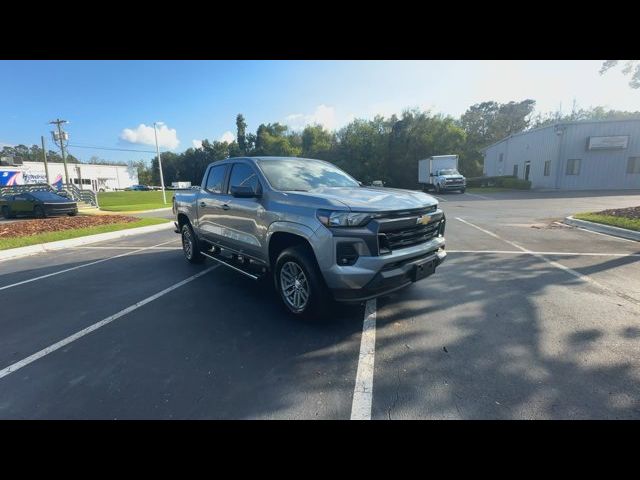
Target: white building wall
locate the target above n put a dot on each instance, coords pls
(599, 169)
(99, 176)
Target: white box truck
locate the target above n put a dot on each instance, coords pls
(440, 173)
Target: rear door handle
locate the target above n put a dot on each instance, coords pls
(202, 204)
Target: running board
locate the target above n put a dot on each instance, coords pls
(250, 275)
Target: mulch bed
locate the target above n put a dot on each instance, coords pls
(631, 212)
(23, 228)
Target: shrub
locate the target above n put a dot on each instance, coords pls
(505, 181)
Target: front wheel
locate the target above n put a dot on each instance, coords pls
(463, 190)
(190, 246)
(300, 284)
(437, 188)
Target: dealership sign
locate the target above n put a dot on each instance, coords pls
(604, 143)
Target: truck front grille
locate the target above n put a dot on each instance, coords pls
(396, 233)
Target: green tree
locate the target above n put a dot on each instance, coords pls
(241, 127)
(631, 67)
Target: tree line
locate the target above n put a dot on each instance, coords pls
(382, 148)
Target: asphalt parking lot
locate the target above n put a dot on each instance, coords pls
(527, 319)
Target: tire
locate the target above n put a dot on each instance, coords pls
(437, 188)
(5, 212)
(72, 214)
(190, 245)
(300, 262)
(463, 190)
(38, 212)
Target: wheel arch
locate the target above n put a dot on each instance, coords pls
(282, 235)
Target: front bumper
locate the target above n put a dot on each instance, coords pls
(389, 279)
(453, 187)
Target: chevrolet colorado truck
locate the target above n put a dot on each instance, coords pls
(312, 228)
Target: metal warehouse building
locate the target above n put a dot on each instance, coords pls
(587, 155)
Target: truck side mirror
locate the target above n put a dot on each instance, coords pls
(244, 191)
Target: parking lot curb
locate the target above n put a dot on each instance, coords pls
(74, 242)
(606, 229)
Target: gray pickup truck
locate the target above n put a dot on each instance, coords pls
(311, 227)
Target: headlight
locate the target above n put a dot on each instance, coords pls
(342, 219)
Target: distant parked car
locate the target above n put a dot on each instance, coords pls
(37, 204)
(138, 188)
(377, 183)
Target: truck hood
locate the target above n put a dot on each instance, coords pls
(368, 199)
(452, 177)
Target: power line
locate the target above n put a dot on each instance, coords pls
(109, 148)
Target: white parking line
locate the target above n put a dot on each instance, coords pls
(126, 248)
(476, 195)
(83, 265)
(363, 390)
(71, 338)
(577, 254)
(570, 271)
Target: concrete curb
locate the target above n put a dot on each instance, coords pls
(110, 212)
(74, 242)
(606, 229)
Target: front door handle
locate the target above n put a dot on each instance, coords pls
(225, 207)
(202, 204)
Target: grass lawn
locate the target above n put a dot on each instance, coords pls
(14, 242)
(615, 221)
(132, 201)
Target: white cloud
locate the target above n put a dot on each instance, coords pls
(196, 143)
(144, 135)
(323, 115)
(228, 137)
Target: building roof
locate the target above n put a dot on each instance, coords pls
(557, 124)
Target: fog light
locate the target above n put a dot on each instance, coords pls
(346, 254)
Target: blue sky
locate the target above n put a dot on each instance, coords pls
(200, 99)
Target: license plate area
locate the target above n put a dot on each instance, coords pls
(423, 269)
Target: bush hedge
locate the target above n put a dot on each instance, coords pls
(504, 181)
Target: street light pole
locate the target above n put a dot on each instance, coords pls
(59, 122)
(164, 195)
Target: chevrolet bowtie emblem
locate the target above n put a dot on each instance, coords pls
(424, 219)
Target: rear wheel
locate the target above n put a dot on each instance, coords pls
(190, 246)
(38, 211)
(72, 214)
(300, 284)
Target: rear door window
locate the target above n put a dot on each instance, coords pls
(215, 179)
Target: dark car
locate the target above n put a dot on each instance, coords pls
(138, 188)
(37, 204)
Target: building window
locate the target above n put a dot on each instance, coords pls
(515, 170)
(501, 157)
(633, 165)
(573, 166)
(547, 168)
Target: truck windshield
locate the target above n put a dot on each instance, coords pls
(449, 171)
(293, 174)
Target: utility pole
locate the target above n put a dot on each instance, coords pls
(59, 122)
(164, 196)
(44, 157)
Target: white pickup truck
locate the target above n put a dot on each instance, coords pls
(440, 173)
